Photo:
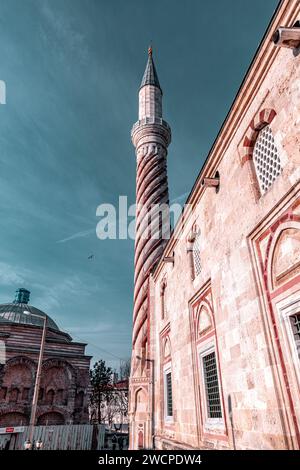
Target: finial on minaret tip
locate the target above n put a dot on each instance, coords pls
(150, 50)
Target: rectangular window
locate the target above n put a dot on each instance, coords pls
(168, 394)
(295, 323)
(211, 382)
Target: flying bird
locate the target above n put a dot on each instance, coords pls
(91, 257)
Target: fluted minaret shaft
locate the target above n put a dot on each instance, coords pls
(151, 136)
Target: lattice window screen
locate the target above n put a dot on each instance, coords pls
(169, 394)
(295, 323)
(266, 159)
(196, 255)
(214, 409)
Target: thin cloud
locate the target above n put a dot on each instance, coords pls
(82, 234)
(179, 198)
(86, 233)
(10, 275)
(91, 328)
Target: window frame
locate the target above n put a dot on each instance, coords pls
(168, 370)
(287, 309)
(210, 423)
(296, 326)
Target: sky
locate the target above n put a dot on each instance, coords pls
(72, 70)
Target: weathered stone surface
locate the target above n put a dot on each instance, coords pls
(64, 387)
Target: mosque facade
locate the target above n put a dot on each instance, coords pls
(216, 322)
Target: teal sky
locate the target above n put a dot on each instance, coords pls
(72, 69)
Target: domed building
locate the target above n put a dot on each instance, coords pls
(63, 393)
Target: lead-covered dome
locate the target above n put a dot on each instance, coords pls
(19, 311)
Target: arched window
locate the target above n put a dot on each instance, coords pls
(50, 397)
(163, 286)
(196, 255)
(266, 159)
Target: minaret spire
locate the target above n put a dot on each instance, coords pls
(150, 93)
(151, 136)
(150, 76)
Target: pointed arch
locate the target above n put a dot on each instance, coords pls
(167, 348)
(204, 321)
(259, 121)
(204, 318)
(281, 266)
(140, 400)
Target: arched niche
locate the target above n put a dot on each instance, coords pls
(140, 400)
(13, 367)
(283, 258)
(167, 347)
(13, 419)
(50, 396)
(18, 375)
(51, 418)
(204, 320)
(58, 375)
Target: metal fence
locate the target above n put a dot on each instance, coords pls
(64, 437)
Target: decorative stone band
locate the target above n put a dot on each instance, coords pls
(150, 131)
(260, 120)
(152, 120)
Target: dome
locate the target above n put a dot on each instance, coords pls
(22, 313)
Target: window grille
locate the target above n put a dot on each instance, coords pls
(214, 409)
(196, 255)
(169, 398)
(295, 323)
(266, 159)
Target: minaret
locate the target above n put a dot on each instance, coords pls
(151, 136)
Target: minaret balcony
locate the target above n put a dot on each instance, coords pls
(150, 120)
(151, 126)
